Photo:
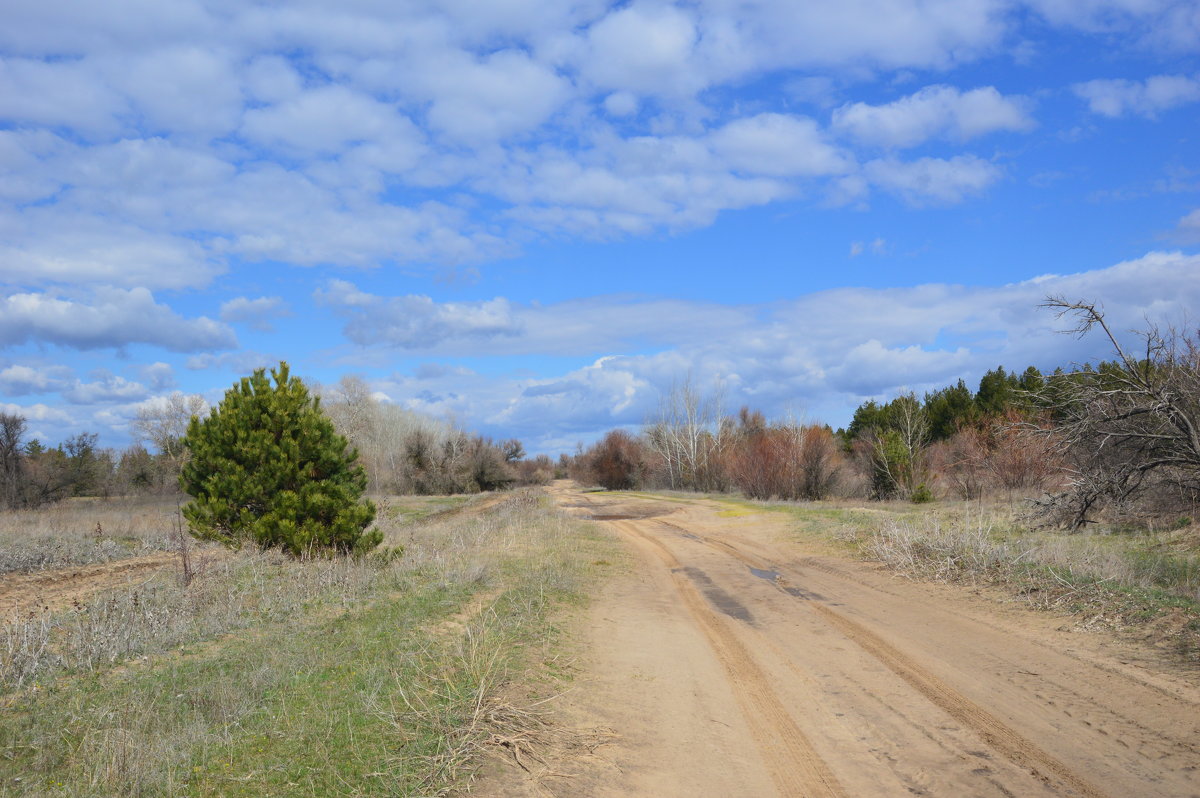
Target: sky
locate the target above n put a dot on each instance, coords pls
(533, 217)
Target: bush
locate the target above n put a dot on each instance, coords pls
(921, 495)
(615, 462)
(267, 466)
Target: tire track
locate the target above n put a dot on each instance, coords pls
(997, 734)
(794, 765)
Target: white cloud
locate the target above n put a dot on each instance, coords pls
(256, 313)
(271, 79)
(778, 145)
(933, 180)
(621, 103)
(325, 120)
(1188, 227)
(501, 327)
(19, 379)
(1158, 24)
(821, 354)
(1114, 98)
(113, 318)
(934, 111)
(241, 362)
(184, 89)
(161, 376)
(65, 93)
(416, 322)
(642, 47)
(483, 100)
(110, 388)
(37, 412)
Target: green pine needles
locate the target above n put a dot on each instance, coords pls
(267, 466)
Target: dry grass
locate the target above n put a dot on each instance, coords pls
(83, 531)
(1135, 583)
(323, 677)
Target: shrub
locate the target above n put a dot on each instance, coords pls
(615, 462)
(267, 466)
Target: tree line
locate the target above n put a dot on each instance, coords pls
(1118, 440)
(402, 452)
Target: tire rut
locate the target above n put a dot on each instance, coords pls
(997, 734)
(794, 765)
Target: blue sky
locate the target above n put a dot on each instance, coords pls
(533, 216)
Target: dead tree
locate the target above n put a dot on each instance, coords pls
(1130, 430)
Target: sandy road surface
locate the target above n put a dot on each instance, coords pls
(733, 663)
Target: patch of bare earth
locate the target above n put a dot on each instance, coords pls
(731, 662)
(59, 588)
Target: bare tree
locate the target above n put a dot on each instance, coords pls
(12, 429)
(1131, 429)
(164, 422)
(688, 435)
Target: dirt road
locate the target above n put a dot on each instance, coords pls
(731, 662)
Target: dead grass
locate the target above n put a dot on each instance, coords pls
(85, 530)
(1143, 584)
(269, 676)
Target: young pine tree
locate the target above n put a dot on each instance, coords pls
(267, 466)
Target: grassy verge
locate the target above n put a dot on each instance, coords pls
(1146, 584)
(390, 688)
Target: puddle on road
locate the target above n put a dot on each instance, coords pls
(719, 598)
(624, 512)
(799, 593)
(763, 573)
(795, 592)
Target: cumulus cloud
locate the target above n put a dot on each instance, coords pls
(152, 154)
(934, 111)
(113, 318)
(160, 376)
(933, 180)
(820, 354)
(501, 327)
(19, 379)
(325, 120)
(1114, 98)
(414, 321)
(256, 313)
(778, 145)
(38, 412)
(491, 98)
(109, 388)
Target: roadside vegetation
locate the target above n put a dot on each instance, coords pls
(287, 635)
(274, 675)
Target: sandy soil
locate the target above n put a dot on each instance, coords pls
(731, 662)
(54, 589)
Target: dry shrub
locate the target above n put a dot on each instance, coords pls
(789, 462)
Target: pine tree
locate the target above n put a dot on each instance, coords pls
(267, 466)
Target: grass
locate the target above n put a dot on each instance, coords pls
(388, 677)
(85, 530)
